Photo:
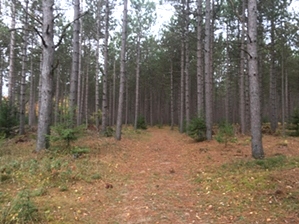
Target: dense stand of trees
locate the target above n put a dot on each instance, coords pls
(222, 60)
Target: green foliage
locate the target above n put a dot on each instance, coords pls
(109, 132)
(197, 129)
(225, 133)
(294, 123)
(8, 118)
(64, 134)
(141, 124)
(269, 163)
(20, 210)
(77, 152)
(95, 116)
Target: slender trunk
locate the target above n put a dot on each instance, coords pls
(11, 76)
(227, 78)
(171, 96)
(286, 96)
(242, 81)
(1, 77)
(86, 93)
(187, 64)
(182, 86)
(255, 111)
(127, 100)
(32, 115)
(56, 113)
(273, 108)
(110, 101)
(200, 103)
(75, 63)
(23, 73)
(122, 73)
(114, 92)
(46, 77)
(137, 79)
(208, 75)
(40, 82)
(97, 91)
(79, 88)
(151, 108)
(282, 95)
(105, 75)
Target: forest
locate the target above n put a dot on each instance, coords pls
(88, 86)
(105, 68)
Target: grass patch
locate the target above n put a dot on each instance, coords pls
(21, 209)
(244, 185)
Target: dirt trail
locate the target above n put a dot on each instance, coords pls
(157, 186)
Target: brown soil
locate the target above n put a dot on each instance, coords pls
(150, 177)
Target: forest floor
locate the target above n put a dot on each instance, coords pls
(151, 176)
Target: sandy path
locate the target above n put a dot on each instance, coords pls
(158, 187)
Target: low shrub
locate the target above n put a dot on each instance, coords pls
(197, 129)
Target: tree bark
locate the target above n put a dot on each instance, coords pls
(137, 79)
(105, 75)
(86, 93)
(208, 74)
(56, 113)
(114, 93)
(32, 115)
(23, 73)
(273, 84)
(80, 78)
(171, 96)
(46, 77)
(122, 73)
(187, 65)
(200, 87)
(182, 84)
(255, 114)
(11, 75)
(75, 63)
(97, 92)
(242, 67)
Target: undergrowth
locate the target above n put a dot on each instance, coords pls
(243, 185)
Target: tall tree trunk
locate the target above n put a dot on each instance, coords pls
(11, 76)
(127, 99)
(114, 93)
(97, 91)
(1, 77)
(227, 76)
(282, 94)
(273, 88)
(286, 90)
(182, 84)
(23, 73)
(31, 117)
(242, 67)
(199, 77)
(46, 77)
(151, 107)
(86, 93)
(79, 88)
(208, 74)
(105, 75)
(56, 112)
(122, 73)
(75, 62)
(187, 65)
(171, 96)
(255, 111)
(137, 79)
